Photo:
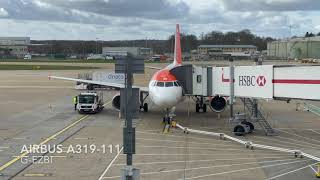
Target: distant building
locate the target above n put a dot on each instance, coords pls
(123, 51)
(299, 48)
(146, 52)
(231, 49)
(220, 52)
(14, 46)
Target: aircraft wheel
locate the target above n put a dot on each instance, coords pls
(239, 130)
(145, 107)
(250, 125)
(90, 87)
(204, 108)
(197, 107)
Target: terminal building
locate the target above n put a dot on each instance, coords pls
(230, 49)
(221, 52)
(14, 46)
(123, 51)
(296, 48)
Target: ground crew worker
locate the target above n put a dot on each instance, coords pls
(75, 102)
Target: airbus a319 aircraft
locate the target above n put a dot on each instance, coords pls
(164, 89)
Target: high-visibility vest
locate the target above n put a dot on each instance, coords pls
(75, 100)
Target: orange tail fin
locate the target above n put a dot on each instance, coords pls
(177, 47)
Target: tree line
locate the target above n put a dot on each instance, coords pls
(188, 42)
(311, 34)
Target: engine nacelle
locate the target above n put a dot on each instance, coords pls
(116, 102)
(218, 104)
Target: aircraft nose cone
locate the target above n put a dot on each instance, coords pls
(166, 99)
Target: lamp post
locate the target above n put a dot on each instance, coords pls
(97, 45)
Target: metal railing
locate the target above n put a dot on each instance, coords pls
(250, 144)
(312, 108)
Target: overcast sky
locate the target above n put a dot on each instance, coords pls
(153, 19)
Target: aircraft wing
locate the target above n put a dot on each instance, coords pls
(116, 85)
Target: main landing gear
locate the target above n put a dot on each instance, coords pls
(200, 105)
(143, 106)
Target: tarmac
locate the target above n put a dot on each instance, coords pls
(36, 111)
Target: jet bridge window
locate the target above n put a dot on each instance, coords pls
(160, 84)
(199, 79)
(169, 84)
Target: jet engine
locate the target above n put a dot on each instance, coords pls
(218, 104)
(116, 102)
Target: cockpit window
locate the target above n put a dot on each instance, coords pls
(169, 84)
(154, 83)
(160, 84)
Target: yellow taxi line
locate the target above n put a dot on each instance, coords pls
(46, 140)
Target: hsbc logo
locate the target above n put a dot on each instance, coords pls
(252, 81)
(261, 81)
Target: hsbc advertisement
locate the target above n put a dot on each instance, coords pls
(249, 81)
(254, 81)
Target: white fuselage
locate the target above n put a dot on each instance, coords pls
(165, 97)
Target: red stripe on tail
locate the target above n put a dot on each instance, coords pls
(177, 47)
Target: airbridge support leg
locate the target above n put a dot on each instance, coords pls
(231, 81)
(200, 104)
(255, 108)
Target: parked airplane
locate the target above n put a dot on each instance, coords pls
(164, 89)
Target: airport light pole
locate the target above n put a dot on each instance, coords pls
(83, 49)
(129, 129)
(129, 107)
(97, 45)
(258, 62)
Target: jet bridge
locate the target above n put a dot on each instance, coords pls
(247, 83)
(260, 82)
(269, 82)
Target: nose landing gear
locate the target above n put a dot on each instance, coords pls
(167, 121)
(145, 107)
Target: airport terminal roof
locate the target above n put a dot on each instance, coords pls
(227, 46)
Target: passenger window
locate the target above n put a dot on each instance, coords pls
(160, 84)
(169, 84)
